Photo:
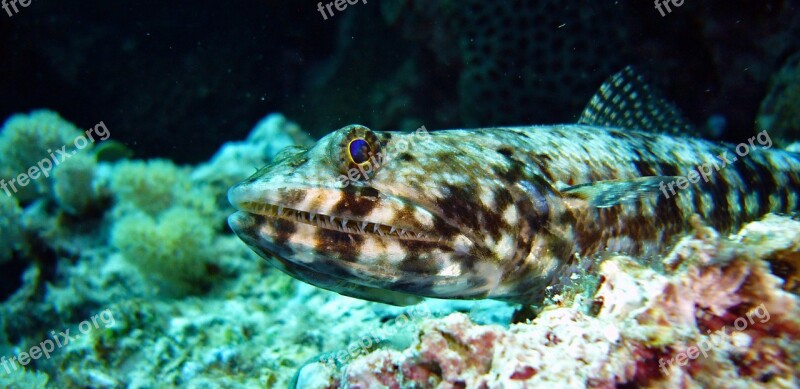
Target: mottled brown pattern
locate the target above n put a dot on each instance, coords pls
(469, 183)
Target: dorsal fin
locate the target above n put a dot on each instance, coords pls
(625, 100)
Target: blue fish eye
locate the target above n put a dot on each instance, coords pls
(359, 150)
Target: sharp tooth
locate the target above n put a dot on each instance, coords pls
(364, 225)
(375, 228)
(331, 219)
(402, 232)
(392, 230)
(344, 223)
(280, 210)
(311, 216)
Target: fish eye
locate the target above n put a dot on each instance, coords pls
(359, 150)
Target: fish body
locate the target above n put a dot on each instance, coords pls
(497, 213)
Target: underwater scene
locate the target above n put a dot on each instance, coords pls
(400, 194)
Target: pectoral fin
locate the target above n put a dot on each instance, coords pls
(604, 194)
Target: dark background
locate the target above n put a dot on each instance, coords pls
(177, 79)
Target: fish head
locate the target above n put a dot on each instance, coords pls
(363, 209)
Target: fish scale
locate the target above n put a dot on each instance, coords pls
(499, 213)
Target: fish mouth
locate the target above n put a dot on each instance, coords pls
(333, 222)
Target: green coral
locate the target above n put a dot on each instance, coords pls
(177, 247)
(23, 379)
(151, 186)
(26, 140)
(73, 183)
(158, 185)
(10, 227)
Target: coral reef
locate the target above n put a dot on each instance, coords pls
(194, 307)
(718, 317)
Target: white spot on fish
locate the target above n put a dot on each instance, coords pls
(451, 270)
(461, 244)
(370, 251)
(510, 215)
(505, 247)
(487, 198)
(423, 217)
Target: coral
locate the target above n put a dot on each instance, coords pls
(26, 140)
(73, 183)
(11, 233)
(177, 247)
(780, 113)
(157, 185)
(152, 186)
(23, 379)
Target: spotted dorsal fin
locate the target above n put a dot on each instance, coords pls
(625, 100)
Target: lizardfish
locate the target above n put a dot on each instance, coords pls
(501, 213)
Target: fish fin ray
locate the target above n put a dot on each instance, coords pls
(604, 194)
(626, 100)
